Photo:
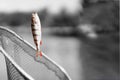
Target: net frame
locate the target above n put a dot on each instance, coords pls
(31, 51)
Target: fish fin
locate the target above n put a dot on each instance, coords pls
(41, 42)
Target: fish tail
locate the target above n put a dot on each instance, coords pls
(39, 53)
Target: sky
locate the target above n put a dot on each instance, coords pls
(53, 6)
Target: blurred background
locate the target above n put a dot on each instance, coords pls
(80, 35)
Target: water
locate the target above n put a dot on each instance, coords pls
(93, 60)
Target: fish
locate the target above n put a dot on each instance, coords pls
(36, 32)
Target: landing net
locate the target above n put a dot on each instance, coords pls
(22, 63)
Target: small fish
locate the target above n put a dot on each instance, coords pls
(36, 31)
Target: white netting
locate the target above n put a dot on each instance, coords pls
(19, 52)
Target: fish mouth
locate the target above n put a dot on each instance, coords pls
(35, 18)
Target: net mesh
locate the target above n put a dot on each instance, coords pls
(21, 59)
(13, 72)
